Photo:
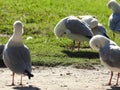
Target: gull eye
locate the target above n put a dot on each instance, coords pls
(96, 46)
(64, 33)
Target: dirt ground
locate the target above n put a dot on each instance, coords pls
(60, 78)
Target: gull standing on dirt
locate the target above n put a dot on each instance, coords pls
(74, 29)
(109, 53)
(114, 19)
(16, 55)
(96, 28)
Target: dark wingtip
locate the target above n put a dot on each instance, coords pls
(106, 36)
(28, 74)
(89, 37)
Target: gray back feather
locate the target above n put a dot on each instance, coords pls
(17, 59)
(114, 22)
(78, 27)
(110, 54)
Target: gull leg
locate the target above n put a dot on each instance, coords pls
(13, 74)
(21, 80)
(113, 36)
(73, 46)
(78, 45)
(117, 79)
(110, 78)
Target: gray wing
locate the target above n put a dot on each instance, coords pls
(111, 56)
(114, 21)
(115, 56)
(101, 30)
(26, 57)
(78, 27)
(17, 59)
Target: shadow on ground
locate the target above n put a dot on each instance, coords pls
(2, 65)
(82, 54)
(26, 88)
(1, 56)
(114, 88)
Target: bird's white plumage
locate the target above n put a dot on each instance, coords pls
(73, 28)
(96, 42)
(96, 28)
(108, 50)
(114, 6)
(16, 55)
(90, 20)
(114, 19)
(60, 28)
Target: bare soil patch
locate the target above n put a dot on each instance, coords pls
(60, 78)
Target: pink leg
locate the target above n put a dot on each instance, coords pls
(13, 78)
(78, 46)
(110, 78)
(73, 46)
(21, 80)
(117, 79)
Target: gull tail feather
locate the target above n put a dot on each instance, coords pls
(28, 74)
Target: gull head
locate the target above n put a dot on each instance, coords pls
(90, 21)
(111, 4)
(18, 26)
(60, 28)
(98, 41)
(93, 23)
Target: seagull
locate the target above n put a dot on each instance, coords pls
(114, 19)
(109, 53)
(73, 28)
(96, 28)
(90, 20)
(16, 55)
(100, 30)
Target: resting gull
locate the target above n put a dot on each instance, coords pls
(109, 53)
(114, 19)
(16, 55)
(97, 28)
(73, 28)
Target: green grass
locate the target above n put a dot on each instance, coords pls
(39, 18)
